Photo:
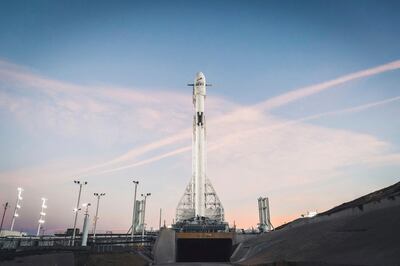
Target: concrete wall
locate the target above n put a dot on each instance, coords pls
(164, 249)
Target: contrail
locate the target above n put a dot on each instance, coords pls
(265, 105)
(143, 149)
(229, 138)
(313, 89)
(358, 108)
(150, 160)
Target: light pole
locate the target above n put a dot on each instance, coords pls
(159, 222)
(17, 206)
(42, 215)
(98, 195)
(4, 214)
(77, 208)
(136, 183)
(144, 212)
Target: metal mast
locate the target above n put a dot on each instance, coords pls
(42, 216)
(98, 195)
(4, 214)
(144, 213)
(17, 206)
(76, 210)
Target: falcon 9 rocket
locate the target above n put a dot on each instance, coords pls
(200, 198)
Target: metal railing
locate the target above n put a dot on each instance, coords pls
(60, 242)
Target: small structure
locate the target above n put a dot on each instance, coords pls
(264, 215)
(139, 219)
(309, 214)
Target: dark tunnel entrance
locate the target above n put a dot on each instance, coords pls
(203, 250)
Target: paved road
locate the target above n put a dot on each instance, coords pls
(195, 264)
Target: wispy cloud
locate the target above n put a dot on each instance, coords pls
(68, 109)
(255, 112)
(228, 139)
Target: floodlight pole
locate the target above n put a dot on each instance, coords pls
(133, 229)
(4, 214)
(77, 208)
(144, 212)
(17, 206)
(159, 222)
(42, 215)
(98, 195)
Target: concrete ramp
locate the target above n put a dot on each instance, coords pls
(164, 249)
(362, 232)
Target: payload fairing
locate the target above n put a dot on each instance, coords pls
(200, 198)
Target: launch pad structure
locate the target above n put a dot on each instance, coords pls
(199, 205)
(201, 231)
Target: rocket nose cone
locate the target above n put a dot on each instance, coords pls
(200, 75)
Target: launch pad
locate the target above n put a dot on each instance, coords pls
(199, 207)
(201, 225)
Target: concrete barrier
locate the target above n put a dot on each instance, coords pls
(164, 250)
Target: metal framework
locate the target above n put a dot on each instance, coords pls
(213, 206)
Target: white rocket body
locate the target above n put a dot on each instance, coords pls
(199, 144)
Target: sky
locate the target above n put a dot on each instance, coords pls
(304, 107)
